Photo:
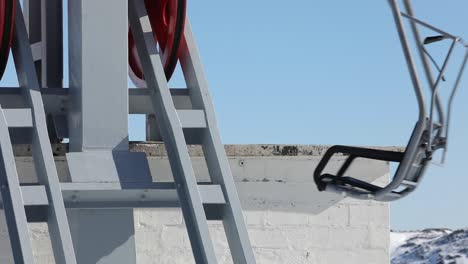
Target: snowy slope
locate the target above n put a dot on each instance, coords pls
(430, 246)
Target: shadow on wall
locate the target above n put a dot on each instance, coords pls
(285, 184)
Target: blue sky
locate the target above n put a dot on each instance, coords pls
(326, 72)
(330, 72)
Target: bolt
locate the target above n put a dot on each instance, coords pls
(241, 163)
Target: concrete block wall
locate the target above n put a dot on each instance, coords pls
(289, 221)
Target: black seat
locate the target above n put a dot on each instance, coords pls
(410, 171)
(322, 180)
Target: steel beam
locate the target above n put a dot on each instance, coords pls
(98, 124)
(56, 100)
(173, 135)
(98, 75)
(114, 195)
(216, 159)
(42, 151)
(12, 199)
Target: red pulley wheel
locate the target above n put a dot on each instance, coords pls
(167, 18)
(7, 16)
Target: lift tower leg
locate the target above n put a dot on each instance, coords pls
(98, 125)
(176, 138)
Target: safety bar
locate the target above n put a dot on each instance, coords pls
(413, 162)
(352, 153)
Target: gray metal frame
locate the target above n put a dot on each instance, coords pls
(43, 160)
(218, 166)
(44, 23)
(12, 198)
(104, 174)
(432, 127)
(173, 135)
(438, 128)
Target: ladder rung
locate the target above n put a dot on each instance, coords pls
(192, 118)
(211, 194)
(33, 195)
(18, 117)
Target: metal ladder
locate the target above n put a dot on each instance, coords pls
(14, 196)
(203, 132)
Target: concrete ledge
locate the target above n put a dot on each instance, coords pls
(157, 149)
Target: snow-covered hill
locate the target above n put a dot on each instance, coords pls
(430, 246)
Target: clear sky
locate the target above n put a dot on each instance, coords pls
(326, 72)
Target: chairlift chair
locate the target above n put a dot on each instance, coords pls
(429, 135)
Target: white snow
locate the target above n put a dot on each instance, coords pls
(397, 239)
(430, 246)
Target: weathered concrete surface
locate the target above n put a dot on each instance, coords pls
(289, 221)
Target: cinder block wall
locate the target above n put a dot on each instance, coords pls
(289, 221)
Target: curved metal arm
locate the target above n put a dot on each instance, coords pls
(425, 63)
(409, 60)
